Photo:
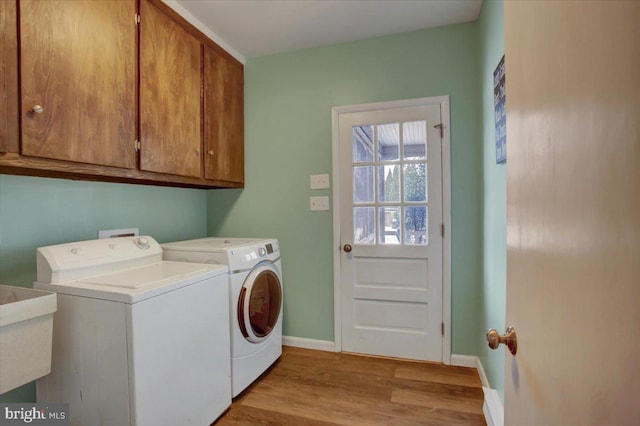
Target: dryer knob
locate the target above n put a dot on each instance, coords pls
(262, 252)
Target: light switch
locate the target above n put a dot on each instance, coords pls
(319, 181)
(319, 203)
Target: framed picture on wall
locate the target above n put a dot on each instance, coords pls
(500, 112)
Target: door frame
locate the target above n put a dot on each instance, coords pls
(443, 102)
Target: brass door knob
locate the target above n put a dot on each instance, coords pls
(38, 109)
(347, 248)
(510, 339)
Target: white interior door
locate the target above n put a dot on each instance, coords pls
(390, 230)
(573, 239)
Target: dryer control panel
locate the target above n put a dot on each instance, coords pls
(246, 256)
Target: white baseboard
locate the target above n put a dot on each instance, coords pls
(301, 342)
(473, 362)
(483, 376)
(464, 360)
(492, 408)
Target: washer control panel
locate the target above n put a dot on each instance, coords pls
(72, 261)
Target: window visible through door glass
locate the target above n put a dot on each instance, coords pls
(414, 140)
(390, 226)
(389, 183)
(388, 142)
(363, 184)
(364, 226)
(363, 144)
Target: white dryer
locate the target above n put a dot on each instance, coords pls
(255, 277)
(136, 340)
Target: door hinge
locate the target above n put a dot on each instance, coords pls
(442, 328)
(441, 128)
(137, 18)
(137, 145)
(442, 230)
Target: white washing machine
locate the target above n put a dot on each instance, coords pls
(255, 277)
(136, 340)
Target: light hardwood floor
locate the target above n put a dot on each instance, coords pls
(307, 387)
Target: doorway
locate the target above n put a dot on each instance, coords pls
(391, 218)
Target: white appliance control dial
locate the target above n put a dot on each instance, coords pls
(76, 251)
(262, 252)
(142, 243)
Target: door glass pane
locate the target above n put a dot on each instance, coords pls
(389, 225)
(363, 184)
(415, 182)
(364, 225)
(362, 143)
(414, 140)
(264, 303)
(389, 183)
(388, 141)
(415, 225)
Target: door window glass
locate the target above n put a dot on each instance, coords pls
(363, 144)
(390, 196)
(364, 225)
(363, 184)
(388, 142)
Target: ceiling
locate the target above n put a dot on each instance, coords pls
(249, 28)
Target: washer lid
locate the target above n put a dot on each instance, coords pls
(149, 275)
(133, 285)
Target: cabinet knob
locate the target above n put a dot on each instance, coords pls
(210, 152)
(38, 109)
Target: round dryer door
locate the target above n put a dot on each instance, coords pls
(259, 302)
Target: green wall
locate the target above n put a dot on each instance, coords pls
(35, 212)
(494, 250)
(288, 138)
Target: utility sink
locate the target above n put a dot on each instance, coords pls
(26, 328)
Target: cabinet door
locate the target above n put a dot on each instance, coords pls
(170, 96)
(224, 117)
(8, 77)
(78, 80)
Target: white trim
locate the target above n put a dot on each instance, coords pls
(492, 408)
(483, 376)
(446, 220)
(464, 360)
(443, 101)
(337, 285)
(180, 10)
(471, 361)
(301, 342)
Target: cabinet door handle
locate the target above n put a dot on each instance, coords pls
(38, 109)
(210, 152)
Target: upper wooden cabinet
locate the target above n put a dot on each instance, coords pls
(123, 91)
(78, 81)
(170, 96)
(223, 117)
